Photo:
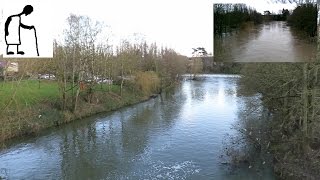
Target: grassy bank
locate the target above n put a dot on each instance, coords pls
(26, 109)
(26, 93)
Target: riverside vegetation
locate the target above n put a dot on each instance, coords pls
(288, 126)
(84, 69)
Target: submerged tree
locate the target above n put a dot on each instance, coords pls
(230, 16)
(196, 64)
(304, 16)
(290, 93)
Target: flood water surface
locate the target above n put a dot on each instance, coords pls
(176, 136)
(269, 42)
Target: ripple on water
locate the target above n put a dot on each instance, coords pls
(163, 170)
(4, 173)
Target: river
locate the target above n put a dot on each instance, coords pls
(179, 135)
(269, 42)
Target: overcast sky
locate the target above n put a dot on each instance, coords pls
(261, 5)
(178, 24)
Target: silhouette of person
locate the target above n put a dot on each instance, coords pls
(12, 29)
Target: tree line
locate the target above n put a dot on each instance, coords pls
(81, 59)
(84, 57)
(283, 16)
(304, 17)
(230, 16)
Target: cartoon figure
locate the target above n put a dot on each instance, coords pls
(12, 29)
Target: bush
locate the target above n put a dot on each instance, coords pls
(148, 82)
(304, 18)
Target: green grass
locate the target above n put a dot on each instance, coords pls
(27, 92)
(105, 87)
(28, 101)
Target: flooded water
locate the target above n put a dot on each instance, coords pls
(269, 42)
(176, 136)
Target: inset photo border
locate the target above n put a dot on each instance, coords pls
(26, 29)
(254, 32)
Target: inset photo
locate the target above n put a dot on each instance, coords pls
(265, 31)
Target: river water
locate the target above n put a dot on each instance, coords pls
(269, 42)
(179, 135)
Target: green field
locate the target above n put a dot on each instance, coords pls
(29, 92)
(27, 108)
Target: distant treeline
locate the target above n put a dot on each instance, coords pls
(304, 17)
(226, 68)
(283, 16)
(229, 16)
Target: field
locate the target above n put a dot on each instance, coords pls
(30, 92)
(27, 92)
(26, 107)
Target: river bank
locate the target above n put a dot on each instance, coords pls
(46, 113)
(161, 138)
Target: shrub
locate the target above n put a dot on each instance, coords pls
(304, 17)
(148, 82)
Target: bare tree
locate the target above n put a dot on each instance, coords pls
(80, 39)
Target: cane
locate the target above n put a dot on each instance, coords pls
(35, 35)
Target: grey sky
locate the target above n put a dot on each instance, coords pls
(261, 5)
(178, 24)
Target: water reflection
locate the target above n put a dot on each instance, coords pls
(176, 136)
(270, 42)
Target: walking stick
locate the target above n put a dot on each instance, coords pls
(35, 35)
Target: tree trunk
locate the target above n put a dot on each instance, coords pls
(121, 86)
(314, 94)
(305, 101)
(64, 95)
(78, 86)
(73, 72)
